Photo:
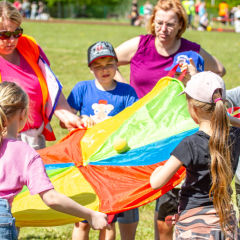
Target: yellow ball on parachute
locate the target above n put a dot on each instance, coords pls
(120, 145)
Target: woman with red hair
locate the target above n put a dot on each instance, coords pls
(149, 55)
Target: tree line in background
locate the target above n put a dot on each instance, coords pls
(104, 8)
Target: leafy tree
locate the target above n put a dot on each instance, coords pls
(86, 2)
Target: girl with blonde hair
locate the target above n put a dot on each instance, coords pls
(21, 165)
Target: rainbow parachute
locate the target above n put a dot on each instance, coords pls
(85, 166)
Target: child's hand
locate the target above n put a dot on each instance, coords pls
(88, 122)
(99, 221)
(191, 70)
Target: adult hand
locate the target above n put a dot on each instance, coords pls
(64, 113)
(73, 121)
(190, 68)
(98, 221)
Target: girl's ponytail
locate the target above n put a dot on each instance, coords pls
(12, 99)
(221, 170)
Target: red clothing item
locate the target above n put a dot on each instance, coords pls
(18, 5)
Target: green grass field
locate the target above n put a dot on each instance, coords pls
(66, 47)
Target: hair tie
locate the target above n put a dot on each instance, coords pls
(216, 100)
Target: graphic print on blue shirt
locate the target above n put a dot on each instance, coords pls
(100, 105)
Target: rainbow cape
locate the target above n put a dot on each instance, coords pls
(85, 166)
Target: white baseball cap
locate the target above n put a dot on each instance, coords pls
(203, 85)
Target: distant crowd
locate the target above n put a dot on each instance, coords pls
(34, 10)
(198, 18)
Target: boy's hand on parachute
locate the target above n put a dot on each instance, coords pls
(87, 121)
(99, 221)
(191, 70)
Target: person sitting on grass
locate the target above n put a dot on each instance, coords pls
(211, 157)
(98, 100)
(21, 165)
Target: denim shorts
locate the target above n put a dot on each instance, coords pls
(8, 229)
(130, 216)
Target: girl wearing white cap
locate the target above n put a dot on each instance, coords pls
(210, 157)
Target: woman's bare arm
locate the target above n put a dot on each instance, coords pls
(125, 52)
(212, 64)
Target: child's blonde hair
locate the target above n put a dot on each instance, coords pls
(220, 166)
(10, 12)
(12, 99)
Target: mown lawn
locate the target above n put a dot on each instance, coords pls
(66, 47)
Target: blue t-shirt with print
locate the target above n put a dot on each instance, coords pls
(100, 105)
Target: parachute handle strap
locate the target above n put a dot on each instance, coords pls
(173, 71)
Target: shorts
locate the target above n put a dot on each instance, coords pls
(167, 204)
(130, 216)
(8, 230)
(203, 223)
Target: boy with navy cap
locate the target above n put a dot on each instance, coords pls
(98, 100)
(103, 97)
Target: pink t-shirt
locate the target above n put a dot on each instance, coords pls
(21, 165)
(26, 78)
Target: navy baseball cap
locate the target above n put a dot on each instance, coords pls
(183, 57)
(100, 50)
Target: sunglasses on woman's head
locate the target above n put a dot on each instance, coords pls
(7, 34)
